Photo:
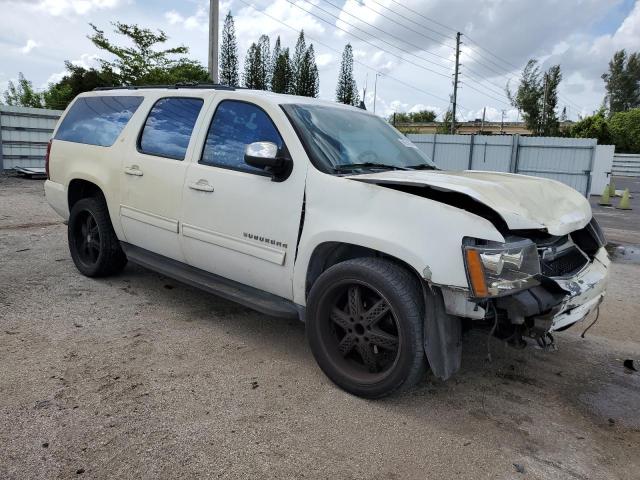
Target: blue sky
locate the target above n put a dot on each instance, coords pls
(37, 36)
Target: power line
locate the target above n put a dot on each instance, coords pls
(417, 47)
(479, 80)
(372, 44)
(401, 82)
(409, 20)
(475, 42)
(485, 93)
(423, 16)
(403, 26)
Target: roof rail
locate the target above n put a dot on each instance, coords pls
(194, 85)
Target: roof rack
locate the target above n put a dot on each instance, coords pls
(194, 85)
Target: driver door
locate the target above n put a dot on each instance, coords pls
(236, 221)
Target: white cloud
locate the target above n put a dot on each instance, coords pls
(78, 7)
(86, 60)
(198, 21)
(553, 31)
(173, 17)
(31, 44)
(324, 59)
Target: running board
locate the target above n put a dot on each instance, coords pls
(263, 302)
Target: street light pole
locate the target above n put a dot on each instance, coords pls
(214, 7)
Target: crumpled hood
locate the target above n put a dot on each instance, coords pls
(522, 201)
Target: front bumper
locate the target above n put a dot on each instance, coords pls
(556, 306)
(586, 290)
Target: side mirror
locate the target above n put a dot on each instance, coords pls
(264, 155)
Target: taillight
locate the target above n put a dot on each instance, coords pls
(46, 158)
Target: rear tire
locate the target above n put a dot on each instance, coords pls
(93, 244)
(364, 324)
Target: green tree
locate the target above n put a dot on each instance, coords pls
(445, 125)
(22, 94)
(297, 61)
(76, 80)
(549, 123)
(275, 54)
(527, 97)
(307, 81)
(625, 130)
(281, 81)
(421, 116)
(265, 60)
(622, 82)
(595, 126)
(399, 117)
(537, 98)
(229, 53)
(141, 64)
(347, 90)
(253, 69)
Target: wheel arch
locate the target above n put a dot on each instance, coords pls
(327, 254)
(80, 188)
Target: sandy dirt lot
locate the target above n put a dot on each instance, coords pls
(138, 376)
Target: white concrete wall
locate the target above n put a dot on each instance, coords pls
(602, 166)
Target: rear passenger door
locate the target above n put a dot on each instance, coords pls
(153, 175)
(236, 221)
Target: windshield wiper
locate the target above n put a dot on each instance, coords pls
(354, 166)
(423, 166)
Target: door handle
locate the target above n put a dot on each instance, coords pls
(133, 170)
(201, 185)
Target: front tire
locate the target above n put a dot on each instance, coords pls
(93, 244)
(365, 326)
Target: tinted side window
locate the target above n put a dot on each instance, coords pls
(234, 126)
(97, 120)
(168, 128)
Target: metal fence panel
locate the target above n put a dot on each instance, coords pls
(626, 165)
(492, 153)
(24, 134)
(568, 160)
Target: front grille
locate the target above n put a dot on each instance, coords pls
(564, 263)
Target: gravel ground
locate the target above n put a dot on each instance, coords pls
(138, 376)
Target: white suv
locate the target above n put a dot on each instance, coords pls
(309, 209)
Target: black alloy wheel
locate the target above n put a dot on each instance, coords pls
(93, 244)
(364, 325)
(86, 237)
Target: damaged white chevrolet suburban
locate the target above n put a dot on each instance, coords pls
(323, 212)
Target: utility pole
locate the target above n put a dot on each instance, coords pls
(214, 7)
(484, 112)
(375, 91)
(455, 84)
(502, 123)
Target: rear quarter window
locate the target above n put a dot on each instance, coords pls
(97, 120)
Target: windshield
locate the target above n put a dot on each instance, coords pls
(342, 140)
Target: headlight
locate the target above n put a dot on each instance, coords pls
(496, 269)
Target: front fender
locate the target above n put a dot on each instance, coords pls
(423, 233)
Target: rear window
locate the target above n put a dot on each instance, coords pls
(97, 120)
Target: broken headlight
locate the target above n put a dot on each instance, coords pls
(495, 269)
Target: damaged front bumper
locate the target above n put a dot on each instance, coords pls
(559, 302)
(556, 304)
(585, 290)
